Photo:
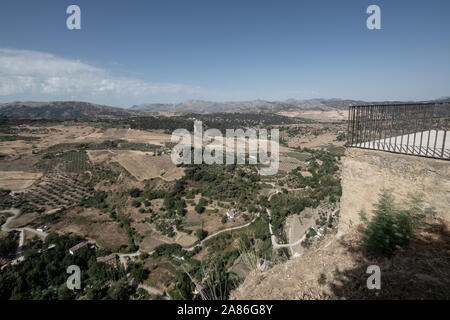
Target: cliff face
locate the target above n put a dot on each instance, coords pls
(366, 172)
(336, 267)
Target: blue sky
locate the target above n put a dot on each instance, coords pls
(132, 52)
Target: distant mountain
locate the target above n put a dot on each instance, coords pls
(76, 109)
(61, 109)
(199, 106)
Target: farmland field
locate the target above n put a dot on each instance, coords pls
(143, 166)
(118, 188)
(17, 180)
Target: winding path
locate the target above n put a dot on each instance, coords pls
(275, 244)
(16, 212)
(221, 231)
(19, 256)
(151, 290)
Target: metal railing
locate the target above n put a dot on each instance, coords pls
(418, 128)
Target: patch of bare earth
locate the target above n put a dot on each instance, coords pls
(22, 220)
(91, 224)
(319, 115)
(320, 140)
(149, 243)
(336, 269)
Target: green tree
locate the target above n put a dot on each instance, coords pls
(199, 209)
(120, 290)
(8, 245)
(183, 287)
(65, 293)
(390, 226)
(201, 234)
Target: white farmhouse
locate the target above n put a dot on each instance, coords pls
(231, 214)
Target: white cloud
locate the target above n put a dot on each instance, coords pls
(27, 73)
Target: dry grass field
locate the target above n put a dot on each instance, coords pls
(23, 220)
(31, 235)
(99, 156)
(149, 243)
(288, 164)
(192, 220)
(77, 134)
(321, 140)
(17, 180)
(317, 115)
(92, 224)
(212, 221)
(141, 165)
(185, 240)
(144, 166)
(161, 275)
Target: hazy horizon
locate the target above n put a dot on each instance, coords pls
(221, 102)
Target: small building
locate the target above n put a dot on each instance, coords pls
(109, 259)
(76, 249)
(231, 214)
(42, 229)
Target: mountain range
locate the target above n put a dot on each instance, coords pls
(77, 109)
(291, 105)
(60, 109)
(200, 106)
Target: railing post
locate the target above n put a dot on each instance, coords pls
(446, 106)
(370, 127)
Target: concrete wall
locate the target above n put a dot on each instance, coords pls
(366, 172)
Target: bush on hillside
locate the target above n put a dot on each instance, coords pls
(391, 226)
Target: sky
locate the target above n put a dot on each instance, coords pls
(135, 52)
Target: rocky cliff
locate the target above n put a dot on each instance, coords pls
(366, 172)
(336, 267)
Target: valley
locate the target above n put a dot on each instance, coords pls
(110, 183)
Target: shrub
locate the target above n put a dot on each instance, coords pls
(341, 137)
(203, 202)
(199, 209)
(135, 192)
(136, 203)
(144, 256)
(391, 226)
(8, 245)
(201, 234)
